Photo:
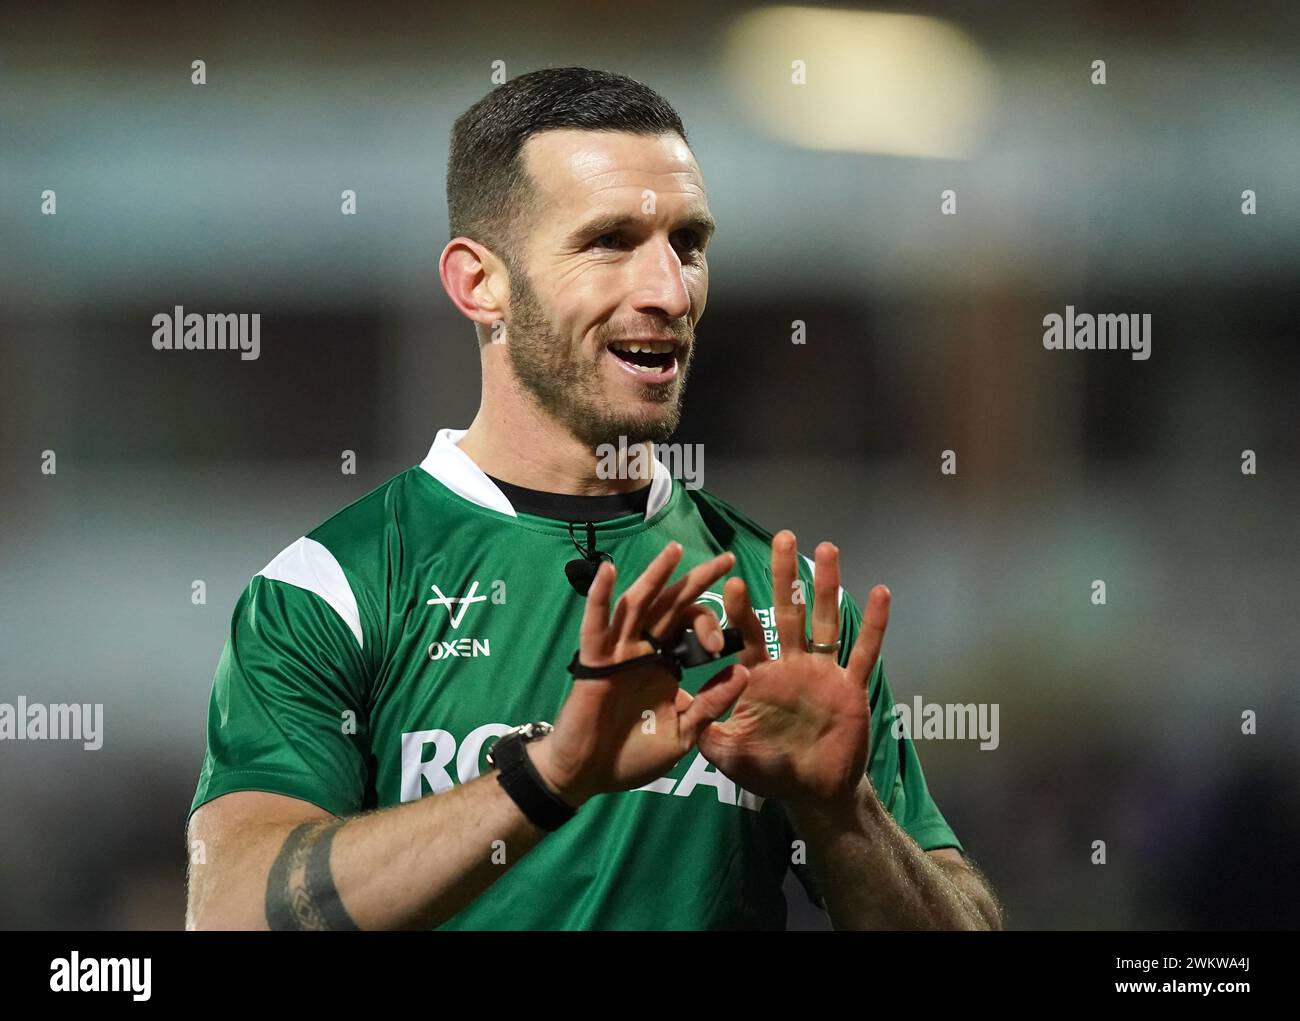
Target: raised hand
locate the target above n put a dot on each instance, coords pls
(620, 732)
(801, 730)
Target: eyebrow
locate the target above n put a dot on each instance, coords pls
(604, 224)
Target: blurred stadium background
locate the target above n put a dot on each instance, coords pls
(1118, 723)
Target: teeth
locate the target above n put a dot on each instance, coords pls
(658, 347)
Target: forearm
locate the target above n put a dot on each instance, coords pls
(874, 876)
(408, 866)
(416, 865)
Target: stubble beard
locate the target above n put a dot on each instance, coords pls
(566, 382)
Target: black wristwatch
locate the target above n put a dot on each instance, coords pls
(517, 774)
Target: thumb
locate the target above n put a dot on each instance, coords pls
(712, 700)
(713, 741)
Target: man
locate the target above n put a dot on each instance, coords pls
(372, 664)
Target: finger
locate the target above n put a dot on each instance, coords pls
(662, 616)
(866, 650)
(596, 637)
(704, 622)
(826, 594)
(735, 597)
(641, 593)
(617, 622)
(711, 701)
(789, 614)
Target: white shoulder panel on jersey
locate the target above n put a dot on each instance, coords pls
(812, 566)
(307, 564)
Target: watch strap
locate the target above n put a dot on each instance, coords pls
(521, 780)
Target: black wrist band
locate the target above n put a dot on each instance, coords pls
(688, 652)
(521, 780)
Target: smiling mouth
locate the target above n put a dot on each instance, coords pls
(652, 356)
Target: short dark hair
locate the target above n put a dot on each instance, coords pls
(489, 192)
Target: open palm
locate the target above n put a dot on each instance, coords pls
(801, 729)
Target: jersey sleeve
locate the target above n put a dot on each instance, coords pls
(287, 713)
(893, 765)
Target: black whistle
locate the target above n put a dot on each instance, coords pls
(689, 652)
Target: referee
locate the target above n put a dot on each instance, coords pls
(484, 696)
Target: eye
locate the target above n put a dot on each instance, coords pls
(612, 241)
(688, 240)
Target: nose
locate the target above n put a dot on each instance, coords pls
(659, 289)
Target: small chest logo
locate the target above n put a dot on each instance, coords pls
(455, 615)
(458, 648)
(467, 647)
(714, 602)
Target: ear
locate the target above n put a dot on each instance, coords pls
(475, 280)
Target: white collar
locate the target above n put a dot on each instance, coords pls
(456, 470)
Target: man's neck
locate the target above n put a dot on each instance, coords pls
(536, 452)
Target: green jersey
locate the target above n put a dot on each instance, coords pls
(374, 660)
